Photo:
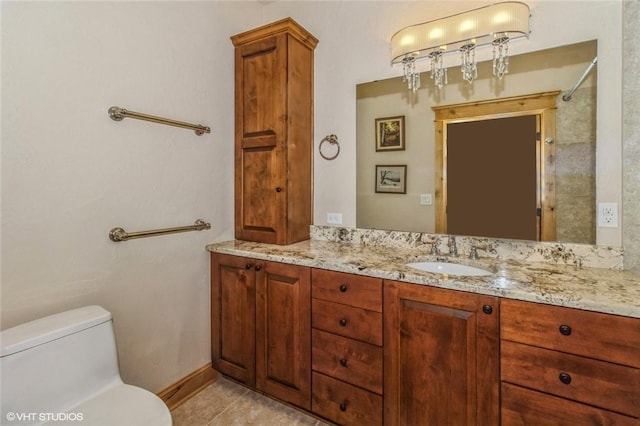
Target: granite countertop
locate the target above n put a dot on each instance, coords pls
(593, 289)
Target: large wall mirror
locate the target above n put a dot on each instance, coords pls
(413, 147)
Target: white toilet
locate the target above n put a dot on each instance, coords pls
(63, 369)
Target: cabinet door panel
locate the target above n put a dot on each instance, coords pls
(283, 332)
(263, 89)
(260, 199)
(233, 317)
(441, 356)
(260, 126)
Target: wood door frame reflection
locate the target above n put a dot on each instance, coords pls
(540, 104)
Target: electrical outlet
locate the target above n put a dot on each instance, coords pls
(608, 215)
(334, 218)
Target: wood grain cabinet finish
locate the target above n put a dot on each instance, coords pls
(274, 133)
(347, 356)
(348, 321)
(314, 338)
(261, 325)
(441, 354)
(348, 289)
(349, 360)
(233, 313)
(524, 407)
(344, 403)
(573, 366)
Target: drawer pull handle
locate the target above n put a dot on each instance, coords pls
(343, 362)
(247, 266)
(278, 189)
(343, 406)
(565, 330)
(343, 288)
(257, 268)
(565, 378)
(487, 309)
(343, 322)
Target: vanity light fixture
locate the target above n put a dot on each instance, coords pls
(493, 25)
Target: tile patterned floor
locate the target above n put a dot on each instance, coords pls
(225, 403)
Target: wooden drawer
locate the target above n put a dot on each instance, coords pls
(601, 336)
(348, 289)
(523, 407)
(348, 321)
(349, 360)
(343, 403)
(610, 386)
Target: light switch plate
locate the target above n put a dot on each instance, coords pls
(334, 218)
(426, 199)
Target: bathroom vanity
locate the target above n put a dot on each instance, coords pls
(347, 331)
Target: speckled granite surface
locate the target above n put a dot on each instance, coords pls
(556, 283)
(530, 251)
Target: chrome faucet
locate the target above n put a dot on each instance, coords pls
(453, 248)
(434, 249)
(473, 252)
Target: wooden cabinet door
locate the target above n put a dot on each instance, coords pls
(233, 316)
(260, 126)
(441, 356)
(283, 332)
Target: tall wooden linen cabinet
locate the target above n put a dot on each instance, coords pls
(274, 133)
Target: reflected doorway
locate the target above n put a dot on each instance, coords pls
(495, 168)
(492, 178)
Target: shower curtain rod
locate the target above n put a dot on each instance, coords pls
(567, 97)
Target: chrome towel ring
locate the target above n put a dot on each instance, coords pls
(333, 140)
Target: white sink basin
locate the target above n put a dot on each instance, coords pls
(450, 269)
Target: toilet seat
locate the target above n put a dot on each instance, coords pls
(122, 405)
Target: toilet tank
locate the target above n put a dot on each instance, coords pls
(54, 363)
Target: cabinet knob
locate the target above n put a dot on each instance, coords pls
(258, 267)
(343, 288)
(487, 309)
(343, 322)
(343, 406)
(565, 330)
(278, 189)
(343, 362)
(565, 378)
(247, 266)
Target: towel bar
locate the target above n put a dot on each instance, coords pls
(119, 234)
(118, 114)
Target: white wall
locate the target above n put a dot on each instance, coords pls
(631, 136)
(70, 173)
(354, 48)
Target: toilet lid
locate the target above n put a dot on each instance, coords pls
(123, 405)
